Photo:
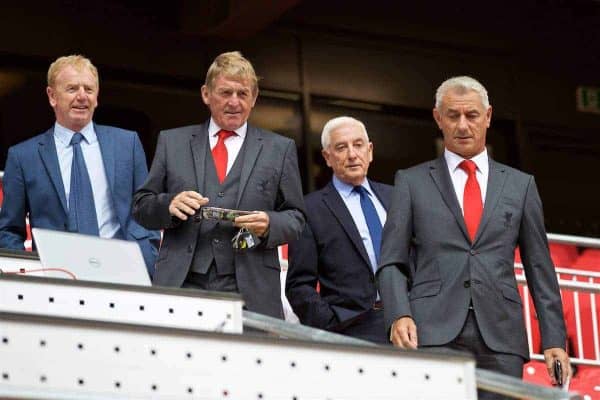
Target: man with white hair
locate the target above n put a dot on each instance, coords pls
(339, 247)
(464, 214)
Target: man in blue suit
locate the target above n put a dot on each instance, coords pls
(77, 176)
(339, 247)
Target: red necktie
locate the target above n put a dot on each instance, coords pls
(219, 153)
(472, 204)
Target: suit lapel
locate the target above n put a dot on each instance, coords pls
(108, 151)
(441, 177)
(378, 192)
(47, 150)
(252, 150)
(199, 145)
(338, 208)
(496, 179)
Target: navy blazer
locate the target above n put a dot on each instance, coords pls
(33, 186)
(331, 252)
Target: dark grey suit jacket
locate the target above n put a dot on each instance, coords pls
(270, 182)
(449, 272)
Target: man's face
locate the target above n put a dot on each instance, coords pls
(349, 154)
(464, 122)
(74, 97)
(230, 101)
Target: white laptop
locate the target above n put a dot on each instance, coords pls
(90, 258)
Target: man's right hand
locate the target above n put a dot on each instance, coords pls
(186, 203)
(404, 333)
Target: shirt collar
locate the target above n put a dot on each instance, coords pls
(213, 129)
(345, 189)
(64, 134)
(481, 160)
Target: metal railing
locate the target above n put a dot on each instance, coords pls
(486, 380)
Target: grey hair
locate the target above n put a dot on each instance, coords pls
(462, 84)
(337, 122)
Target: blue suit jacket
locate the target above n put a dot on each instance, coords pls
(33, 186)
(331, 252)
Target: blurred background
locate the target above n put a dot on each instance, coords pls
(378, 61)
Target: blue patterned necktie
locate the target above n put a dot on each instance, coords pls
(82, 210)
(372, 219)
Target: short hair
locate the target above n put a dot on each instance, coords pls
(337, 122)
(233, 65)
(76, 61)
(462, 84)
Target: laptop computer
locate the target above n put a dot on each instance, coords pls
(90, 258)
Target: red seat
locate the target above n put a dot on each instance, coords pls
(535, 372)
(587, 348)
(563, 255)
(589, 259)
(587, 383)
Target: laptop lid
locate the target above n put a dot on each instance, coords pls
(90, 258)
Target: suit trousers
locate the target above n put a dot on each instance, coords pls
(211, 281)
(470, 340)
(367, 326)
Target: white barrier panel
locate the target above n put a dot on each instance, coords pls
(45, 358)
(154, 306)
(13, 261)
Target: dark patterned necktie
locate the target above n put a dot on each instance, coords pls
(82, 209)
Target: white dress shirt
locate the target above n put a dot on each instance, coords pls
(233, 143)
(108, 224)
(352, 201)
(459, 176)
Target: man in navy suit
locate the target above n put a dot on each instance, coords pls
(40, 172)
(339, 247)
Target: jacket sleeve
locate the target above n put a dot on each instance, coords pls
(301, 283)
(288, 218)
(393, 273)
(540, 272)
(150, 202)
(14, 206)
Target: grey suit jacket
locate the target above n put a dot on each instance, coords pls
(270, 182)
(447, 271)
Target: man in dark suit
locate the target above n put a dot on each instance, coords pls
(464, 214)
(224, 163)
(339, 247)
(77, 176)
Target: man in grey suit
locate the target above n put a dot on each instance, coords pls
(463, 214)
(224, 163)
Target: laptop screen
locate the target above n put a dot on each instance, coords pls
(90, 258)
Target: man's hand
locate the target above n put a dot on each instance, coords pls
(257, 223)
(556, 353)
(186, 203)
(404, 333)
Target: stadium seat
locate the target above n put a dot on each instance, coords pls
(589, 259)
(587, 383)
(563, 255)
(587, 348)
(535, 372)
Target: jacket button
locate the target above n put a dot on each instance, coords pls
(467, 284)
(221, 194)
(216, 241)
(190, 248)
(472, 252)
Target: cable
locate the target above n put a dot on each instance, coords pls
(23, 271)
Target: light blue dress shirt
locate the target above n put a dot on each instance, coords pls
(352, 201)
(108, 224)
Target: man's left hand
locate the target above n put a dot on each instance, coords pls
(257, 223)
(553, 354)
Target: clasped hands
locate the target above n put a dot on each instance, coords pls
(187, 203)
